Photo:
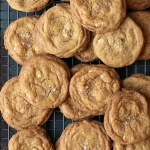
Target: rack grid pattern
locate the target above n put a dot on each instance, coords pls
(9, 68)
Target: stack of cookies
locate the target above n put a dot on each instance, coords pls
(88, 30)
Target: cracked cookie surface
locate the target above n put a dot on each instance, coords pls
(16, 110)
(33, 138)
(142, 18)
(44, 81)
(18, 39)
(91, 87)
(85, 135)
(88, 54)
(28, 5)
(137, 146)
(121, 47)
(99, 16)
(138, 4)
(57, 33)
(127, 119)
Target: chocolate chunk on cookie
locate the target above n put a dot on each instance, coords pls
(16, 110)
(44, 81)
(57, 33)
(33, 138)
(99, 16)
(85, 135)
(121, 47)
(18, 39)
(127, 119)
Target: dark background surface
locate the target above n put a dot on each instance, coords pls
(9, 68)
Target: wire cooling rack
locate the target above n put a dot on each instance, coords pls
(9, 68)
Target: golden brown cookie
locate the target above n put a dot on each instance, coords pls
(28, 5)
(120, 47)
(137, 146)
(30, 139)
(16, 110)
(91, 87)
(44, 81)
(58, 34)
(99, 16)
(138, 4)
(88, 54)
(84, 135)
(67, 107)
(18, 39)
(142, 18)
(127, 119)
(139, 82)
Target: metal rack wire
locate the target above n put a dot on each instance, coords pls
(9, 68)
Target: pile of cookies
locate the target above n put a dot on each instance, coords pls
(88, 30)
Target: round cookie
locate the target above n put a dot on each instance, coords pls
(121, 47)
(44, 81)
(18, 39)
(88, 54)
(85, 135)
(138, 4)
(57, 33)
(28, 5)
(99, 16)
(67, 107)
(142, 18)
(137, 146)
(91, 87)
(33, 138)
(123, 120)
(16, 110)
(139, 82)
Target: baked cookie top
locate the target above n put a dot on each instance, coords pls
(18, 39)
(44, 81)
(85, 135)
(16, 110)
(28, 5)
(88, 54)
(121, 47)
(99, 16)
(33, 138)
(68, 108)
(127, 119)
(137, 146)
(57, 33)
(138, 4)
(139, 82)
(91, 87)
(142, 18)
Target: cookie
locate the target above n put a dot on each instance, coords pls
(67, 107)
(85, 135)
(99, 16)
(91, 87)
(127, 119)
(33, 138)
(139, 82)
(57, 33)
(137, 146)
(28, 5)
(44, 81)
(18, 39)
(138, 5)
(121, 47)
(142, 18)
(16, 110)
(88, 54)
